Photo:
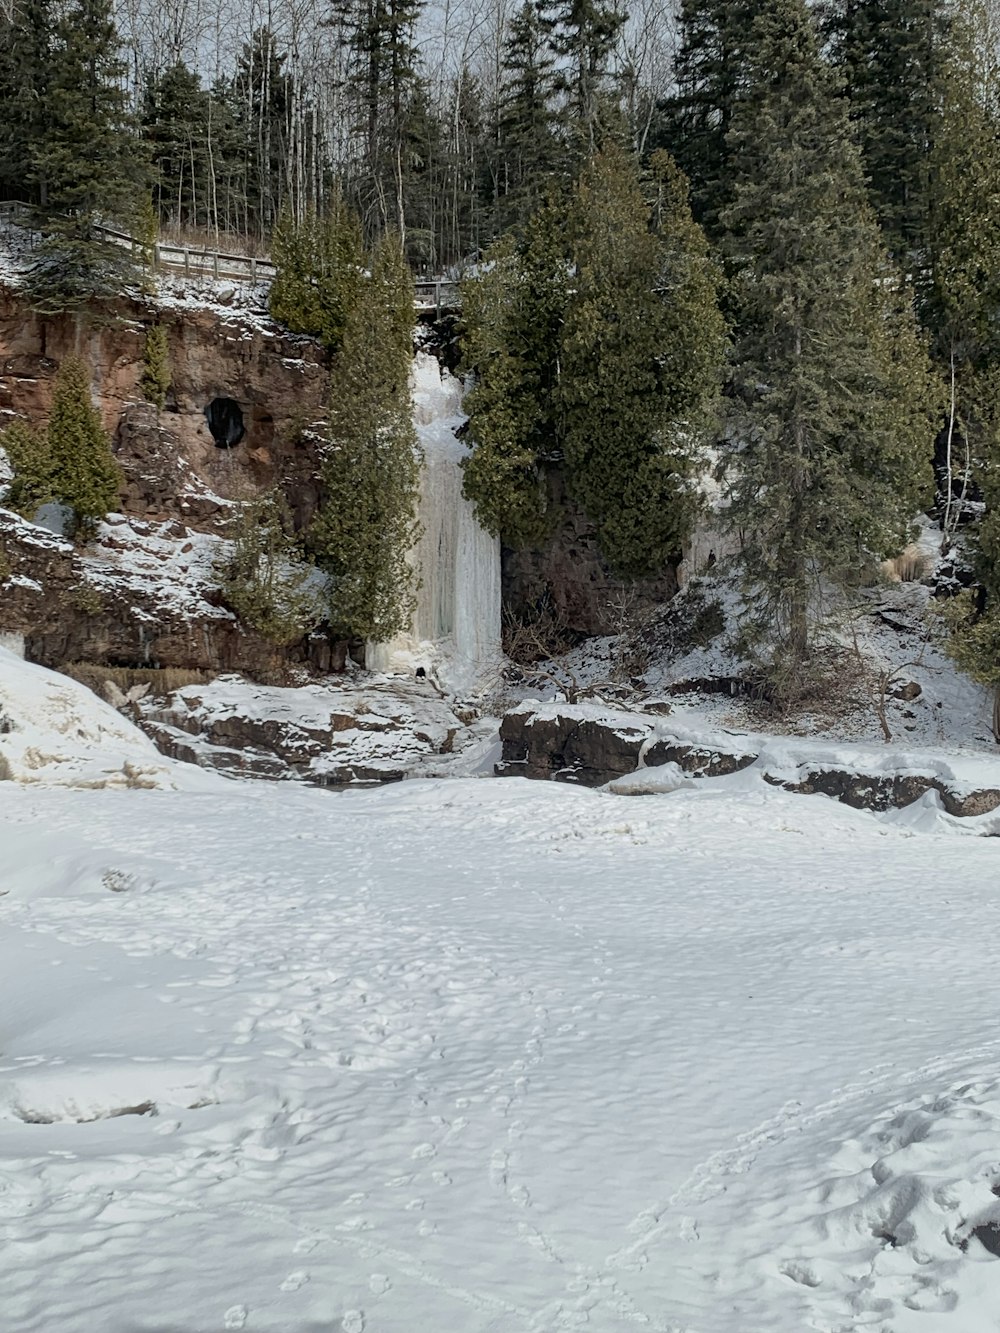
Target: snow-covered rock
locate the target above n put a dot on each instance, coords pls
(376, 730)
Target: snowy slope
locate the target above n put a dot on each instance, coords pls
(493, 1057)
(55, 732)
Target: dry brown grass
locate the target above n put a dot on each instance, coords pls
(161, 681)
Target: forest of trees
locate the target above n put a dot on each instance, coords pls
(770, 228)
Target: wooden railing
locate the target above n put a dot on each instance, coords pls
(430, 293)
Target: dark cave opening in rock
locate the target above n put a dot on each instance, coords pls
(225, 421)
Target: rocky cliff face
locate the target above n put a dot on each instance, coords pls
(172, 465)
(144, 592)
(569, 577)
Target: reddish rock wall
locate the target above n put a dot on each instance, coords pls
(171, 464)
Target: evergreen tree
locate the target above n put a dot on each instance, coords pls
(530, 154)
(26, 37)
(262, 574)
(642, 351)
(156, 378)
(962, 292)
(596, 342)
(88, 163)
(890, 52)
(261, 97)
(379, 37)
(84, 474)
(28, 453)
(174, 127)
(828, 421)
(366, 524)
(319, 276)
(513, 313)
(71, 462)
(710, 76)
(582, 34)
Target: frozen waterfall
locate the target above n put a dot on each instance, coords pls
(455, 633)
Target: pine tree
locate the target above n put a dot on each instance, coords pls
(366, 524)
(710, 76)
(88, 163)
(319, 276)
(890, 52)
(641, 356)
(828, 417)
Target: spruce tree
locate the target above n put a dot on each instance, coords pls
(174, 127)
(383, 68)
(366, 524)
(26, 38)
(828, 423)
(962, 290)
(641, 357)
(530, 154)
(710, 78)
(88, 163)
(890, 53)
(583, 34)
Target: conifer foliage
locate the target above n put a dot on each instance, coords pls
(513, 314)
(71, 463)
(641, 351)
(366, 525)
(829, 413)
(319, 265)
(86, 161)
(156, 377)
(597, 343)
(263, 577)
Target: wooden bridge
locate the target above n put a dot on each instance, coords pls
(430, 293)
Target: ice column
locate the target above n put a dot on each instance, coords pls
(455, 633)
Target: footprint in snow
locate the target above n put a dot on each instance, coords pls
(235, 1317)
(295, 1280)
(379, 1284)
(353, 1321)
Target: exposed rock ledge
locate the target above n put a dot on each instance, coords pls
(592, 745)
(323, 734)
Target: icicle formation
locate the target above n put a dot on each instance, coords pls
(456, 625)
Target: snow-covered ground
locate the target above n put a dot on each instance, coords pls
(489, 1057)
